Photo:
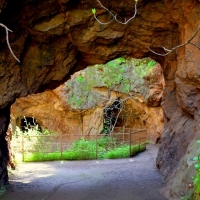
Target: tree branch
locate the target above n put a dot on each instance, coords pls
(7, 40)
(168, 51)
(115, 16)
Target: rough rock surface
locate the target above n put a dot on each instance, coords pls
(55, 38)
(77, 108)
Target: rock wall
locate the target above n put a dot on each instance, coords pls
(55, 38)
(181, 106)
(51, 114)
(77, 108)
(4, 155)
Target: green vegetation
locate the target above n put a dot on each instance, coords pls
(33, 140)
(39, 145)
(106, 126)
(2, 190)
(124, 151)
(83, 149)
(151, 63)
(196, 180)
(36, 157)
(94, 10)
(121, 75)
(195, 194)
(80, 79)
(32, 130)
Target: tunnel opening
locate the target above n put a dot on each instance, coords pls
(120, 97)
(94, 110)
(125, 40)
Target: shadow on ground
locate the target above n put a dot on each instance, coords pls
(122, 179)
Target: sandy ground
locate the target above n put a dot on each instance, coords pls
(122, 179)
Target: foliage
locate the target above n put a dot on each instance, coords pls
(121, 75)
(37, 147)
(80, 79)
(94, 11)
(151, 63)
(40, 156)
(86, 149)
(33, 140)
(196, 180)
(83, 149)
(106, 126)
(31, 130)
(2, 190)
(119, 152)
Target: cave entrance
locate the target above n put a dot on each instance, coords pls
(123, 113)
(29, 123)
(111, 116)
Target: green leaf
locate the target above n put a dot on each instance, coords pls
(198, 141)
(197, 166)
(120, 60)
(80, 79)
(151, 63)
(94, 11)
(195, 158)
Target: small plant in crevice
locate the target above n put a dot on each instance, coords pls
(196, 178)
(151, 63)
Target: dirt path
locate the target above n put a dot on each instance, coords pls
(122, 179)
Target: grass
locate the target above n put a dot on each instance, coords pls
(32, 157)
(124, 151)
(119, 152)
(86, 150)
(82, 149)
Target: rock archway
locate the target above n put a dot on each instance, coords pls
(55, 38)
(85, 106)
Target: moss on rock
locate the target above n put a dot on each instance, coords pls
(120, 75)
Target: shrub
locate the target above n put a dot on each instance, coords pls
(119, 152)
(196, 180)
(37, 148)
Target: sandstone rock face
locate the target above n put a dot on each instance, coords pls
(55, 38)
(49, 111)
(77, 108)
